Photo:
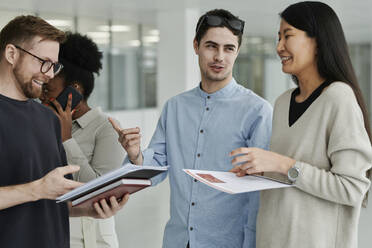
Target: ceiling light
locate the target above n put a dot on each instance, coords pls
(134, 43)
(99, 35)
(151, 39)
(60, 23)
(154, 32)
(114, 28)
(101, 41)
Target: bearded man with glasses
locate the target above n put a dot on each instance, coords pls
(34, 171)
(197, 130)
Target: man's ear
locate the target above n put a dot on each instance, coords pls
(10, 53)
(196, 47)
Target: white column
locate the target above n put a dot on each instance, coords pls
(275, 81)
(178, 68)
(370, 83)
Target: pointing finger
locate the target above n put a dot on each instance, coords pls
(69, 103)
(115, 125)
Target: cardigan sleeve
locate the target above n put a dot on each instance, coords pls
(349, 151)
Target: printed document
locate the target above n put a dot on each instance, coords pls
(228, 182)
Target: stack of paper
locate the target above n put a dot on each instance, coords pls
(112, 183)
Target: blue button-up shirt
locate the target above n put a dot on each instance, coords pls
(197, 130)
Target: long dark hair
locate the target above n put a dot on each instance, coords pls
(319, 21)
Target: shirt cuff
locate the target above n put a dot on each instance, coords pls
(147, 154)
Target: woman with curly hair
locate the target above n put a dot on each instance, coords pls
(88, 138)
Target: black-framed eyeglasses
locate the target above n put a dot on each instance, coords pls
(215, 21)
(45, 64)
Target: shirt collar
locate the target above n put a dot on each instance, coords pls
(88, 117)
(222, 93)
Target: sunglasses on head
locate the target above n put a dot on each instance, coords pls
(215, 21)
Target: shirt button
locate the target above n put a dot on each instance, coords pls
(207, 109)
(209, 97)
(195, 180)
(202, 131)
(198, 155)
(193, 204)
(191, 228)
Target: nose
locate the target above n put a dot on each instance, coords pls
(219, 55)
(280, 46)
(50, 73)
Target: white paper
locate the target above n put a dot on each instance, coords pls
(228, 182)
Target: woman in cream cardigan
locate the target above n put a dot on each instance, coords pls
(321, 140)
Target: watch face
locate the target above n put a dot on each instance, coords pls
(293, 173)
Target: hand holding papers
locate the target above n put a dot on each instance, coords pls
(228, 182)
(127, 179)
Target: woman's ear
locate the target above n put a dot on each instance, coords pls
(78, 87)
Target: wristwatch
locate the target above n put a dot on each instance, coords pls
(293, 173)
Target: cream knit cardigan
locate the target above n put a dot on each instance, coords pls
(333, 153)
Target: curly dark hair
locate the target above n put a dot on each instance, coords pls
(81, 59)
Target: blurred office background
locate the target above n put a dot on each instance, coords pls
(148, 58)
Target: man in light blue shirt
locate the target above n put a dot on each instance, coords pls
(197, 130)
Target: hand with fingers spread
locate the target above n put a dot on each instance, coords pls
(252, 160)
(100, 210)
(54, 184)
(65, 117)
(130, 139)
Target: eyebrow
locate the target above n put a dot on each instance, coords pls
(216, 44)
(42, 57)
(47, 58)
(285, 30)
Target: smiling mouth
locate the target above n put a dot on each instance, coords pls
(285, 59)
(38, 83)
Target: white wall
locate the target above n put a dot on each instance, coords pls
(275, 81)
(178, 69)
